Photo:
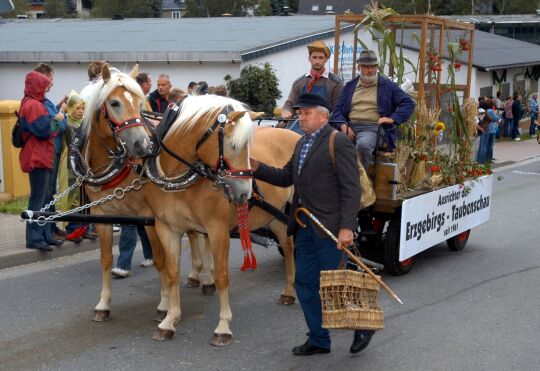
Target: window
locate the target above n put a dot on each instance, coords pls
(175, 14)
(329, 7)
(314, 8)
(486, 92)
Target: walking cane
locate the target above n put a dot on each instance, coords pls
(351, 255)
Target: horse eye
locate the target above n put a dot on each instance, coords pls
(114, 103)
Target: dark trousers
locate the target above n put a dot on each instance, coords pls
(127, 243)
(515, 129)
(532, 128)
(39, 193)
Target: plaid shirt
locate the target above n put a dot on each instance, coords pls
(308, 141)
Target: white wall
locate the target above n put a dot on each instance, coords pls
(74, 76)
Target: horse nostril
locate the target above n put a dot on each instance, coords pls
(244, 197)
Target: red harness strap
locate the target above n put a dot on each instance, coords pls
(242, 216)
(122, 175)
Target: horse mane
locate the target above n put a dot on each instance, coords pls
(202, 110)
(102, 90)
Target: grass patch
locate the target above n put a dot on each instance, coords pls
(14, 206)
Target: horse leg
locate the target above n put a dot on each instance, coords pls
(209, 285)
(219, 240)
(102, 311)
(171, 247)
(159, 262)
(196, 261)
(287, 295)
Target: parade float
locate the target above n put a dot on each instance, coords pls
(429, 189)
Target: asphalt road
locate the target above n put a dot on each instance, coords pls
(476, 309)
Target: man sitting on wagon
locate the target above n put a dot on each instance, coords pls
(318, 81)
(368, 103)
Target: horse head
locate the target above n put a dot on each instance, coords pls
(114, 112)
(221, 132)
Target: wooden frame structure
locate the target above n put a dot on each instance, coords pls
(424, 23)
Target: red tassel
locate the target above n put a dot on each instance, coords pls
(242, 216)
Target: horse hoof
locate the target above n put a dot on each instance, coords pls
(160, 315)
(221, 340)
(286, 300)
(162, 335)
(192, 282)
(209, 289)
(101, 315)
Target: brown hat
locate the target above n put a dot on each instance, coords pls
(367, 58)
(319, 46)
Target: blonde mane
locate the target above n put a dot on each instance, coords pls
(196, 111)
(102, 90)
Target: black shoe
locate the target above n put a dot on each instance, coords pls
(361, 341)
(40, 246)
(308, 349)
(55, 242)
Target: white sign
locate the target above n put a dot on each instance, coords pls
(436, 216)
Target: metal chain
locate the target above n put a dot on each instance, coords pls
(58, 197)
(117, 194)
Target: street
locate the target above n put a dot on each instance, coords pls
(475, 309)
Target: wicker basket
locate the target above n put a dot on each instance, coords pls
(350, 300)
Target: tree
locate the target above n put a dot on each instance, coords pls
(461, 7)
(128, 9)
(21, 8)
(256, 86)
(216, 8)
(55, 9)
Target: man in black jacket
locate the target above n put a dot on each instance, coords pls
(159, 98)
(332, 194)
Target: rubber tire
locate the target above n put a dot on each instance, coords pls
(392, 265)
(459, 241)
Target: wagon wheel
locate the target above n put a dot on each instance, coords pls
(392, 264)
(459, 241)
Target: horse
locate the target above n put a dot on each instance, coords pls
(114, 106)
(211, 138)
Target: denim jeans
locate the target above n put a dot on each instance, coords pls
(366, 141)
(515, 131)
(127, 243)
(532, 128)
(508, 127)
(484, 152)
(39, 192)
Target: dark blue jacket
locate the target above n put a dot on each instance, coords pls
(391, 100)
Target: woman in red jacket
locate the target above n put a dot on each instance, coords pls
(36, 157)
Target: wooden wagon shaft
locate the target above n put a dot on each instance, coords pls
(350, 254)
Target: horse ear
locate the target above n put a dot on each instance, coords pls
(255, 115)
(105, 73)
(134, 71)
(235, 115)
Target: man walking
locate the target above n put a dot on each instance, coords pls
(370, 102)
(313, 175)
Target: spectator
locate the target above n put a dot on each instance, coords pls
(508, 117)
(126, 245)
(36, 157)
(94, 74)
(191, 88)
(159, 98)
(175, 94)
(202, 88)
(218, 90)
(53, 110)
(145, 82)
(489, 126)
(533, 109)
(517, 112)
(66, 177)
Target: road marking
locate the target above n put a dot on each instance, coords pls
(525, 172)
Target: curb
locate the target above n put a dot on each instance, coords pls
(28, 256)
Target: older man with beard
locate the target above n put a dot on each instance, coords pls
(369, 102)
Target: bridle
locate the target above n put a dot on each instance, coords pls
(117, 126)
(199, 169)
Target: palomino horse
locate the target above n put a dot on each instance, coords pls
(114, 106)
(217, 132)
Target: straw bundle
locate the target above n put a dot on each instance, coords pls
(470, 114)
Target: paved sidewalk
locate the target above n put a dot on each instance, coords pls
(12, 243)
